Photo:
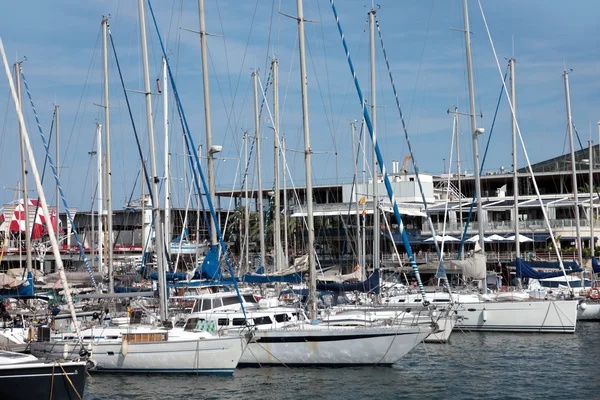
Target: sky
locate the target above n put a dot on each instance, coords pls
(60, 45)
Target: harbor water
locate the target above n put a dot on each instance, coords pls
(471, 366)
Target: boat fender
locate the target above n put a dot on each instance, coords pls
(91, 364)
(124, 347)
(66, 351)
(583, 305)
(594, 293)
(484, 315)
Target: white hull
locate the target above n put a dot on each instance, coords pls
(185, 353)
(476, 314)
(552, 316)
(349, 316)
(445, 326)
(322, 346)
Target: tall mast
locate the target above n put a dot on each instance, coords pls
(246, 205)
(261, 221)
(159, 248)
(208, 126)
(57, 123)
(364, 181)
(591, 185)
(277, 227)
(460, 219)
(167, 157)
(358, 240)
(573, 168)
(100, 198)
(376, 251)
(38, 183)
(28, 231)
(92, 217)
(312, 288)
(513, 100)
(109, 212)
(285, 204)
(474, 134)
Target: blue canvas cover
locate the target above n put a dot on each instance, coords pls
(527, 269)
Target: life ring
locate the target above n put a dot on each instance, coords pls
(594, 293)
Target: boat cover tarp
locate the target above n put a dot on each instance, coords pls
(371, 285)
(333, 275)
(472, 267)
(210, 268)
(15, 287)
(293, 274)
(294, 277)
(595, 265)
(128, 289)
(171, 276)
(527, 269)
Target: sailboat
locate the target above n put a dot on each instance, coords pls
(310, 342)
(481, 312)
(25, 372)
(137, 347)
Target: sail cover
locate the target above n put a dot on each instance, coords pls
(595, 265)
(473, 267)
(527, 269)
(371, 285)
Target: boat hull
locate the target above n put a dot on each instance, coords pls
(38, 380)
(552, 316)
(332, 347)
(213, 356)
(445, 327)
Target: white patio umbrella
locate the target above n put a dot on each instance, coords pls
(475, 239)
(446, 238)
(497, 238)
(522, 238)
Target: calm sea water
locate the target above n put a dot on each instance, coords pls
(471, 366)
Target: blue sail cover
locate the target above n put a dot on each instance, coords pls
(171, 276)
(527, 269)
(128, 289)
(294, 277)
(210, 268)
(595, 265)
(25, 290)
(371, 285)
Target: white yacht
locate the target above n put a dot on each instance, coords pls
(501, 312)
(148, 349)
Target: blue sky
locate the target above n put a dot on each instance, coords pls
(61, 40)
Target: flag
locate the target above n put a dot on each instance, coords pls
(364, 212)
(362, 200)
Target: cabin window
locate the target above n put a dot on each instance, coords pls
(262, 321)
(197, 306)
(192, 323)
(282, 317)
(441, 300)
(239, 321)
(248, 298)
(228, 301)
(401, 300)
(217, 303)
(223, 322)
(417, 300)
(206, 305)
